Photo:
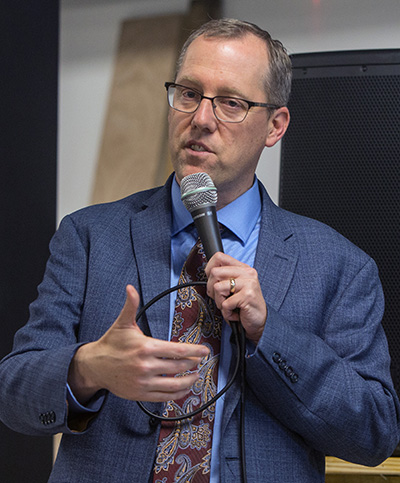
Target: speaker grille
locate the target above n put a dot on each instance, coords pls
(340, 160)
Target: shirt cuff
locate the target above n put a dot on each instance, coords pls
(250, 348)
(92, 406)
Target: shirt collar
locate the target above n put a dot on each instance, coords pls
(239, 217)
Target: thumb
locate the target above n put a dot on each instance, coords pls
(127, 316)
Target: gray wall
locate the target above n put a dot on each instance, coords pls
(89, 33)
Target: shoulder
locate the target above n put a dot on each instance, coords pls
(110, 222)
(126, 206)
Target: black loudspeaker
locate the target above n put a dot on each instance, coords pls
(340, 159)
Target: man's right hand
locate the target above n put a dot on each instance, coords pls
(131, 365)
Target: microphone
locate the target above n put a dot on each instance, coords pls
(199, 195)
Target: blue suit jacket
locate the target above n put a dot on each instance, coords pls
(319, 382)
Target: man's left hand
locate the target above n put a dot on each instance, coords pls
(246, 303)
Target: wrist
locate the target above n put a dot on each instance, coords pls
(81, 378)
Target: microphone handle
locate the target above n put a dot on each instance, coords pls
(205, 220)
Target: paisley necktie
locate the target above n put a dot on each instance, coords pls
(184, 448)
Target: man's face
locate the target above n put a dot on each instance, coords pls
(198, 142)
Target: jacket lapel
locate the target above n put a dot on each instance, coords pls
(275, 261)
(151, 240)
(277, 255)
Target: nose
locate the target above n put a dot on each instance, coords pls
(204, 117)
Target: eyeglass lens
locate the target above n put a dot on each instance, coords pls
(227, 109)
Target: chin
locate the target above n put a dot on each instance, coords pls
(180, 173)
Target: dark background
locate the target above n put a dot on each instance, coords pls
(340, 159)
(29, 33)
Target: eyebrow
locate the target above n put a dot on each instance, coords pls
(227, 91)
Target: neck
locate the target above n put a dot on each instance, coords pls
(226, 196)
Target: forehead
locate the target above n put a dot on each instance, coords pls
(238, 64)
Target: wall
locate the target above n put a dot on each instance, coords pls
(89, 33)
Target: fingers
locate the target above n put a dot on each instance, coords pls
(127, 316)
(246, 302)
(166, 359)
(176, 350)
(154, 378)
(170, 388)
(221, 270)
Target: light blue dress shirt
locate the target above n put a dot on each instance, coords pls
(242, 220)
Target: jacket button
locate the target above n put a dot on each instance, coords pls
(47, 418)
(276, 357)
(282, 365)
(294, 378)
(289, 371)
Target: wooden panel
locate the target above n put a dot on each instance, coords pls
(336, 466)
(132, 151)
(361, 479)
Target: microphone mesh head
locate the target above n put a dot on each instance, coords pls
(198, 189)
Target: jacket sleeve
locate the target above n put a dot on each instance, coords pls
(33, 399)
(333, 386)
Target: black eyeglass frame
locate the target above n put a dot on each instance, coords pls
(249, 103)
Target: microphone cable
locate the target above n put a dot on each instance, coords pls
(237, 327)
(239, 336)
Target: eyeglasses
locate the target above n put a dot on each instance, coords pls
(226, 109)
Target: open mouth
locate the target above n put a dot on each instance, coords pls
(196, 147)
(199, 148)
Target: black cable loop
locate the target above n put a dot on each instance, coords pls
(217, 396)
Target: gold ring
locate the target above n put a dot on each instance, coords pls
(233, 286)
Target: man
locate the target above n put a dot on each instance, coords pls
(317, 365)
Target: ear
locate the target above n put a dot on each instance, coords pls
(277, 125)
